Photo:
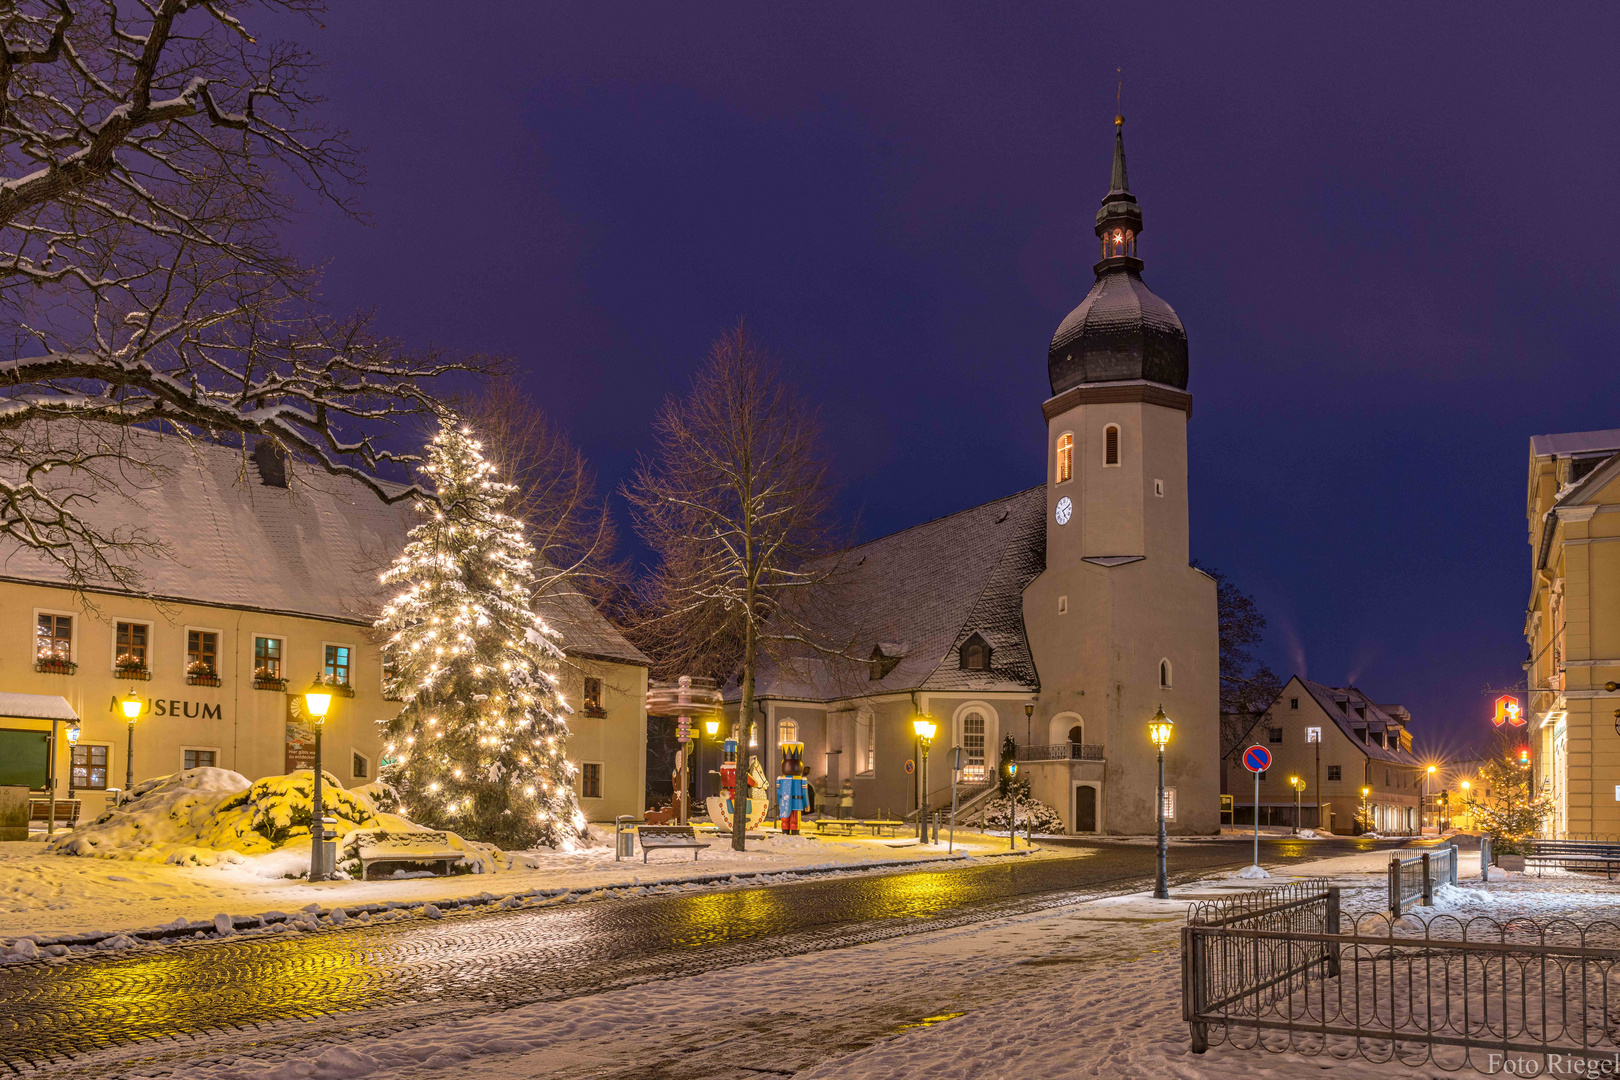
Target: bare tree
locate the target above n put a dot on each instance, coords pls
(567, 519)
(149, 153)
(1248, 686)
(735, 506)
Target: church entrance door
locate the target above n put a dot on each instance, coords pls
(1085, 809)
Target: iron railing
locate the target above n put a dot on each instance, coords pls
(1494, 996)
(1061, 752)
(1414, 878)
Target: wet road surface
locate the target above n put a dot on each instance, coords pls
(399, 974)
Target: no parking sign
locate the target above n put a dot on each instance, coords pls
(1257, 759)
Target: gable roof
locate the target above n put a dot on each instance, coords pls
(315, 548)
(1575, 442)
(917, 595)
(1378, 718)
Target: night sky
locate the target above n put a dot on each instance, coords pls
(1391, 234)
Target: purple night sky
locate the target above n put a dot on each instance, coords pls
(1391, 234)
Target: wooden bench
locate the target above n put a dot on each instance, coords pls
(67, 810)
(1574, 855)
(840, 826)
(669, 836)
(426, 847)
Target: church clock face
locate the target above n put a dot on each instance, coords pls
(1065, 510)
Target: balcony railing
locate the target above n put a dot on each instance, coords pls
(1061, 752)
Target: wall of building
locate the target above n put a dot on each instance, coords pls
(613, 738)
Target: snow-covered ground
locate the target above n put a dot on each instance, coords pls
(50, 895)
(1092, 990)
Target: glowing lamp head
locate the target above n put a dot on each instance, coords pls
(1159, 728)
(712, 727)
(318, 699)
(924, 728)
(132, 705)
(1366, 791)
(1295, 782)
(1431, 770)
(1466, 785)
(73, 733)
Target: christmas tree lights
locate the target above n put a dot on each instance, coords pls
(479, 744)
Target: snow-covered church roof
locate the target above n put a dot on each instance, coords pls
(314, 547)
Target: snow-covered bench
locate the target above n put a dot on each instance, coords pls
(426, 847)
(669, 836)
(1574, 855)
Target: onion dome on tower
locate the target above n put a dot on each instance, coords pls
(1121, 332)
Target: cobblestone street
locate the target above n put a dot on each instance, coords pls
(232, 996)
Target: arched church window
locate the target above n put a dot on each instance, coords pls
(1164, 674)
(1065, 458)
(1118, 242)
(973, 745)
(787, 731)
(1111, 445)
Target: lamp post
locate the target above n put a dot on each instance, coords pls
(1366, 824)
(133, 706)
(712, 726)
(1012, 804)
(317, 699)
(1298, 785)
(1159, 729)
(925, 729)
(73, 742)
(1423, 812)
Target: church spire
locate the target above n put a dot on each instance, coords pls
(1119, 221)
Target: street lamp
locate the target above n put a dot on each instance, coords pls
(1012, 804)
(712, 726)
(925, 729)
(1423, 811)
(73, 741)
(133, 706)
(1159, 729)
(317, 699)
(1029, 717)
(1366, 824)
(1298, 785)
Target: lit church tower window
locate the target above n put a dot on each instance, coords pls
(1065, 458)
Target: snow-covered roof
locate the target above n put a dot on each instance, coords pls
(1377, 718)
(1575, 442)
(917, 595)
(313, 548)
(36, 707)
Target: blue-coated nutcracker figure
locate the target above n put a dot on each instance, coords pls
(792, 789)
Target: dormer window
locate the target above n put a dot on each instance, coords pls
(975, 654)
(1065, 458)
(881, 665)
(1111, 444)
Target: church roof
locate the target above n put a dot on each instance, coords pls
(313, 548)
(915, 597)
(1121, 331)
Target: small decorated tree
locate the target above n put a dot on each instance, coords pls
(479, 745)
(1503, 800)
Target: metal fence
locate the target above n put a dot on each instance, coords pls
(1454, 994)
(1414, 878)
(1062, 752)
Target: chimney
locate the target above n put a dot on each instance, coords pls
(271, 461)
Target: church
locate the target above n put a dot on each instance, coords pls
(1063, 616)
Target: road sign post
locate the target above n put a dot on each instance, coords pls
(1257, 759)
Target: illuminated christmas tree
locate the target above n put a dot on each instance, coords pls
(479, 745)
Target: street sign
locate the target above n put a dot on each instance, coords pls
(1507, 711)
(958, 759)
(1257, 759)
(911, 766)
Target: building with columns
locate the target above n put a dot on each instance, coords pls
(1572, 624)
(1064, 616)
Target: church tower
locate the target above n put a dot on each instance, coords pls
(1119, 623)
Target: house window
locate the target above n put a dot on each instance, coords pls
(787, 731)
(1164, 674)
(865, 719)
(199, 759)
(593, 698)
(132, 638)
(975, 655)
(336, 669)
(267, 658)
(1111, 445)
(1386, 778)
(1065, 458)
(590, 780)
(54, 640)
(1262, 774)
(1274, 734)
(90, 768)
(359, 767)
(1158, 488)
(1333, 772)
(202, 652)
(1063, 605)
(1293, 703)
(973, 744)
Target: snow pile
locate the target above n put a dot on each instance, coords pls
(1253, 873)
(204, 817)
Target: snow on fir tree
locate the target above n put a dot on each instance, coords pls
(479, 745)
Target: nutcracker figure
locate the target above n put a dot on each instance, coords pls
(792, 789)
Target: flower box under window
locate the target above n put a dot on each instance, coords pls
(200, 674)
(204, 680)
(55, 665)
(133, 672)
(269, 682)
